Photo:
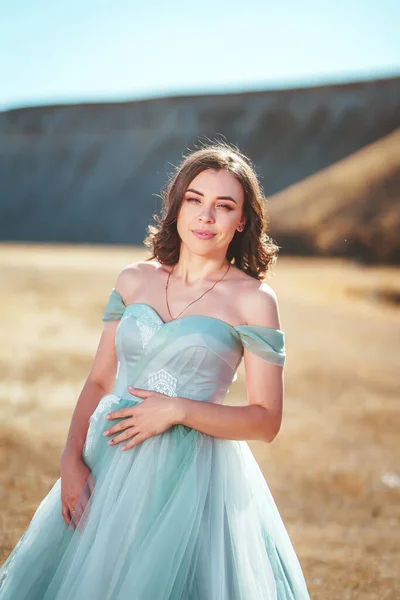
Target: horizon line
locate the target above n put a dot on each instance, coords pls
(292, 84)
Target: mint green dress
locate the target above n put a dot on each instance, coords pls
(182, 515)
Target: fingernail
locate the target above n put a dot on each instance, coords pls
(110, 442)
(122, 448)
(106, 432)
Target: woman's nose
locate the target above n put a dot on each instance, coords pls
(207, 214)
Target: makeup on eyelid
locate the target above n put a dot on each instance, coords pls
(220, 205)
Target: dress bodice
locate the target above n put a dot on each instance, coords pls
(195, 356)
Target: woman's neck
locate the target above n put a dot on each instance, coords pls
(197, 269)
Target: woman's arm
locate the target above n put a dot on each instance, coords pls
(98, 383)
(261, 420)
(101, 378)
(76, 482)
(252, 422)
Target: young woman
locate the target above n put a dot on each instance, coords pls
(160, 497)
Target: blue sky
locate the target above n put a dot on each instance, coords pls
(85, 50)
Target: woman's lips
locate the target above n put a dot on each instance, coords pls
(203, 235)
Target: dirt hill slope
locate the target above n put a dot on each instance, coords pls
(350, 209)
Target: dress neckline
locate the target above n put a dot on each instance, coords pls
(234, 328)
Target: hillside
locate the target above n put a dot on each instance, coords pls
(351, 209)
(91, 173)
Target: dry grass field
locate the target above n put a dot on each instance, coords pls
(334, 468)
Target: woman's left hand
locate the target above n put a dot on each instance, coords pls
(157, 413)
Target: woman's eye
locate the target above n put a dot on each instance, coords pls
(219, 205)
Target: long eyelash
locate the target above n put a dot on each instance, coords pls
(197, 200)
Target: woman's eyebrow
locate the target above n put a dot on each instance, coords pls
(218, 197)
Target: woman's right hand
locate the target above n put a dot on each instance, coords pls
(77, 485)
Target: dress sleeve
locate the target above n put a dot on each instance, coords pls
(265, 342)
(115, 307)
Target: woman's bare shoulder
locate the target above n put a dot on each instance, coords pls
(133, 276)
(258, 301)
(263, 308)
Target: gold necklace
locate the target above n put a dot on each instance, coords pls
(166, 288)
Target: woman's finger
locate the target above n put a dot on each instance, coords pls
(140, 437)
(139, 392)
(122, 413)
(128, 433)
(119, 427)
(71, 511)
(66, 514)
(77, 512)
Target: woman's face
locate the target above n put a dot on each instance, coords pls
(213, 204)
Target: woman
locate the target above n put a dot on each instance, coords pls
(160, 497)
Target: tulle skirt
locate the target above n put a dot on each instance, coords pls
(181, 516)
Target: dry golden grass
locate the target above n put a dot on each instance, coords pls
(341, 420)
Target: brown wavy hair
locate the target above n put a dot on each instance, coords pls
(251, 250)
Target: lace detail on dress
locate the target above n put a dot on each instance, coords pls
(147, 323)
(163, 382)
(102, 409)
(147, 331)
